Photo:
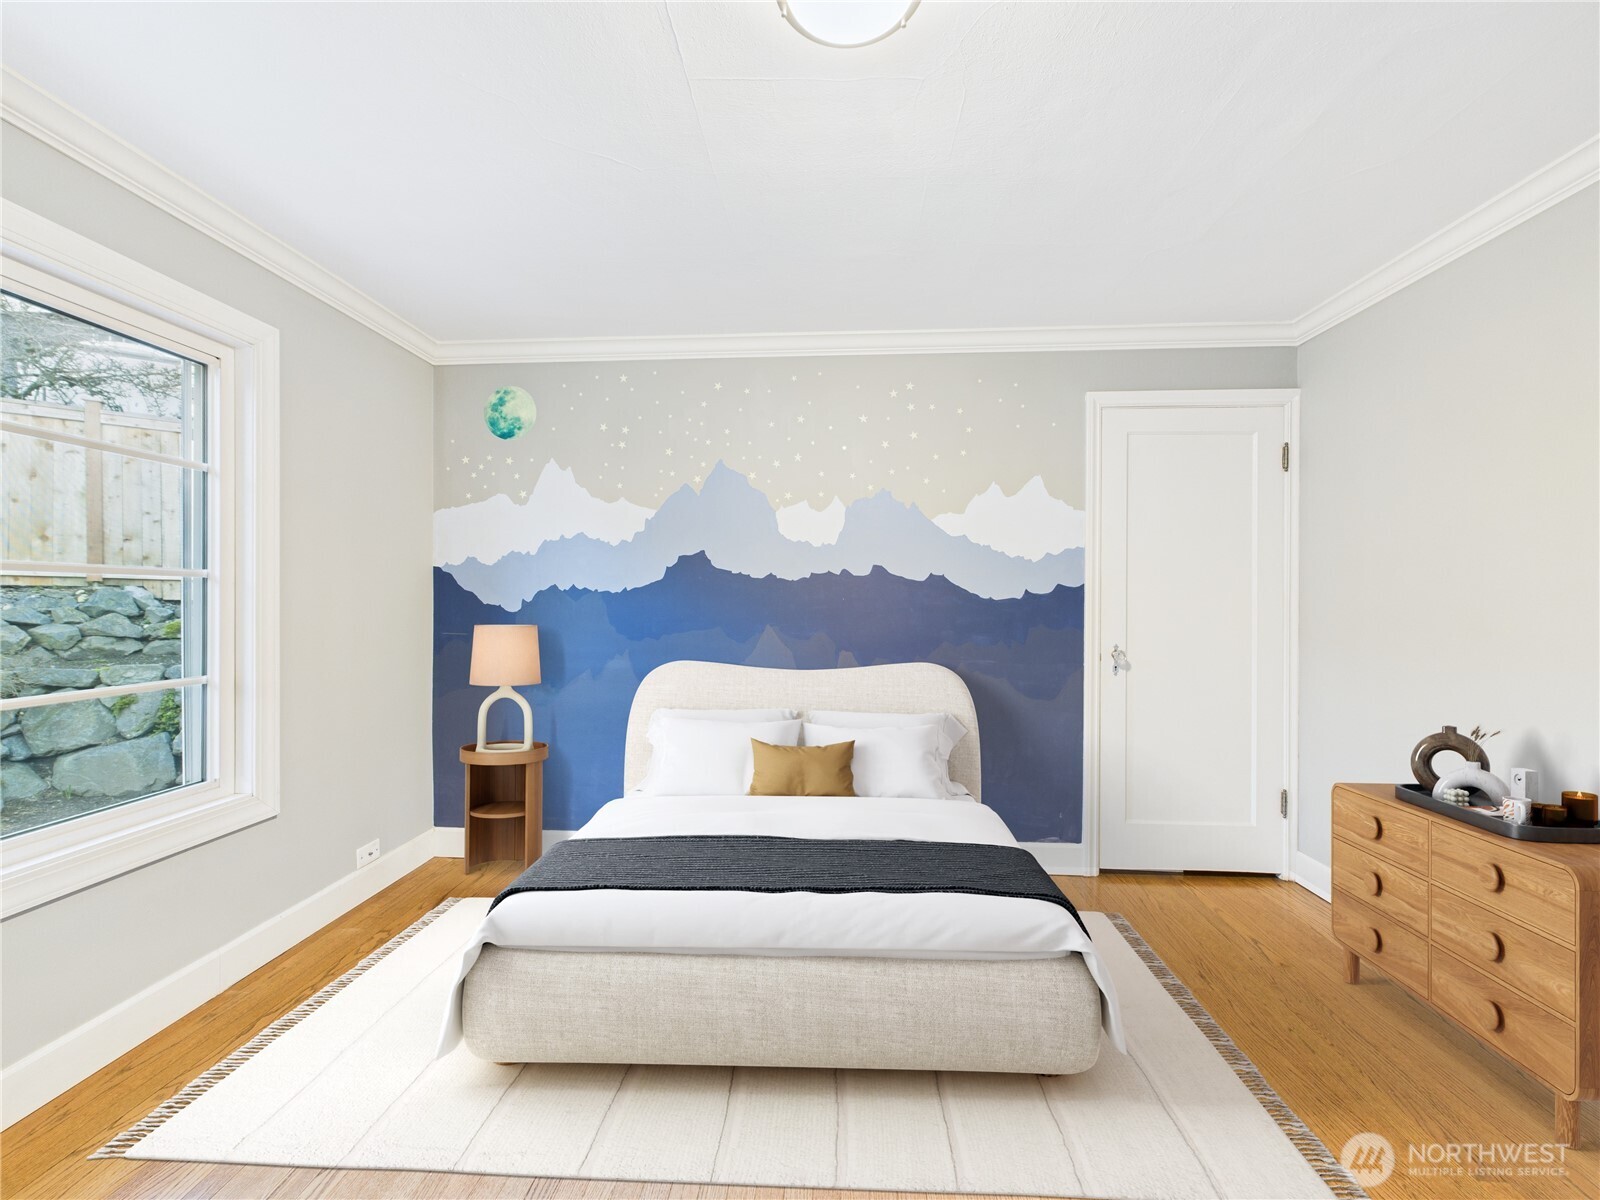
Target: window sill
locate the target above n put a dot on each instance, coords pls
(46, 864)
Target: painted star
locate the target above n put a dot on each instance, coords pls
(894, 392)
(523, 493)
(716, 387)
(886, 445)
(697, 478)
(622, 378)
(602, 426)
(911, 387)
(669, 451)
(911, 408)
(863, 418)
(464, 458)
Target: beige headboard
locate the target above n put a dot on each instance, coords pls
(892, 688)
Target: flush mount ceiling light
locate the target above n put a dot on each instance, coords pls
(847, 26)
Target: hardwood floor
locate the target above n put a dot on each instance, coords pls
(1255, 951)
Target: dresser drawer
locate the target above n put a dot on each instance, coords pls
(1517, 1027)
(1534, 893)
(1381, 940)
(1380, 884)
(1527, 961)
(1383, 828)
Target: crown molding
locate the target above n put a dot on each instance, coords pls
(36, 112)
(911, 341)
(1545, 187)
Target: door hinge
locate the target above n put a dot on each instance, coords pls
(1286, 456)
(1283, 803)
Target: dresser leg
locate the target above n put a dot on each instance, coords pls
(1352, 967)
(1567, 1121)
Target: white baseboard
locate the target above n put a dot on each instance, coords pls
(1061, 858)
(1316, 877)
(73, 1057)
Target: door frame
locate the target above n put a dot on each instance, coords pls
(1095, 406)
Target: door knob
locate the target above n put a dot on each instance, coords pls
(1119, 661)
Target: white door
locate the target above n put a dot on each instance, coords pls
(1193, 529)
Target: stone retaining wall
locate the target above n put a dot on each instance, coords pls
(60, 760)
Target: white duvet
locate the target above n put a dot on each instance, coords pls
(856, 924)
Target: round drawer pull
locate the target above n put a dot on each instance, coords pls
(1374, 884)
(1374, 941)
(1496, 948)
(1492, 876)
(1376, 830)
(1493, 1017)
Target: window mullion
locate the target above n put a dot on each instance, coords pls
(109, 692)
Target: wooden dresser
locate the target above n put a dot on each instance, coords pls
(1501, 936)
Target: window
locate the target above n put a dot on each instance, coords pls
(138, 565)
(103, 584)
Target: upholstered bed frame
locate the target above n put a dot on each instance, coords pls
(1040, 1015)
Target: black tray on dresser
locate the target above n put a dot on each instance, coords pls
(1585, 834)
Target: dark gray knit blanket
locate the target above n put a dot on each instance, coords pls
(740, 863)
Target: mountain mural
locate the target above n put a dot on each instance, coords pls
(805, 513)
(734, 525)
(1021, 657)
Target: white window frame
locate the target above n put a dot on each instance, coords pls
(240, 786)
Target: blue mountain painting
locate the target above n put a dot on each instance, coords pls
(1021, 657)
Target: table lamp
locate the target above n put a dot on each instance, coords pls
(504, 657)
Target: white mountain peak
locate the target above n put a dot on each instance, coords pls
(558, 506)
(1030, 523)
(820, 527)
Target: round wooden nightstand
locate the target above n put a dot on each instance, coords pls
(504, 816)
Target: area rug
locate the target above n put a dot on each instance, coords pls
(348, 1079)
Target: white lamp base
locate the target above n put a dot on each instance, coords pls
(505, 693)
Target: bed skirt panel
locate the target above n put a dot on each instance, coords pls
(1039, 1015)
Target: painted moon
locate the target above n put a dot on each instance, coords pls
(510, 413)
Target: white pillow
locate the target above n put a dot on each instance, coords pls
(951, 731)
(894, 761)
(690, 757)
(725, 714)
(708, 714)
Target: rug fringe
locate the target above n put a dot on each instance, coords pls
(125, 1141)
(1311, 1148)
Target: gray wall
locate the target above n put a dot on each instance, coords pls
(1450, 556)
(357, 445)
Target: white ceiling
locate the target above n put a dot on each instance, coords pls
(506, 171)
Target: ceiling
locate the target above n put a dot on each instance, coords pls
(518, 171)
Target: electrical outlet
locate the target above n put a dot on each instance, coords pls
(366, 854)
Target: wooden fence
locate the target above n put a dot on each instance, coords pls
(66, 503)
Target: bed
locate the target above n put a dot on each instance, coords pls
(864, 979)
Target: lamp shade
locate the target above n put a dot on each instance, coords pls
(505, 655)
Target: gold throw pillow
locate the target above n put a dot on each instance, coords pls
(803, 770)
